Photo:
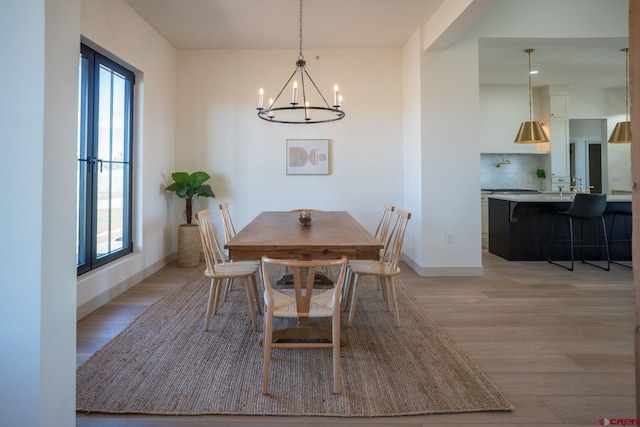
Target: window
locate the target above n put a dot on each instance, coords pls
(104, 161)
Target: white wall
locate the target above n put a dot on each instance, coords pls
(218, 131)
(38, 117)
(113, 26)
(451, 162)
(412, 128)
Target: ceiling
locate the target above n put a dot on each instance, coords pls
(361, 24)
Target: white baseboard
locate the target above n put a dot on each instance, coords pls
(466, 271)
(106, 296)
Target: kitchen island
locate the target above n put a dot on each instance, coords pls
(519, 227)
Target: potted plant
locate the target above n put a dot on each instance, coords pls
(541, 174)
(187, 187)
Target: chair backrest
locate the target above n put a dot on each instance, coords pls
(588, 205)
(213, 254)
(383, 226)
(393, 246)
(229, 229)
(303, 274)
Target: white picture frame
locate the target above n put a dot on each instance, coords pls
(308, 157)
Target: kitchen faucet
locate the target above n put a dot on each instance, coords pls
(574, 187)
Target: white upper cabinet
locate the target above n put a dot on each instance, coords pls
(559, 106)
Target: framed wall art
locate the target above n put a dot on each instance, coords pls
(307, 157)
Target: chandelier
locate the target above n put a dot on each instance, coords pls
(301, 112)
(622, 131)
(530, 132)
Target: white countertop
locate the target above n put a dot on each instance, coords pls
(552, 197)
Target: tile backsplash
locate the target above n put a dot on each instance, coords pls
(519, 171)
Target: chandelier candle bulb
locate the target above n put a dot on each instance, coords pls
(306, 111)
(270, 104)
(260, 95)
(294, 97)
(340, 101)
(335, 95)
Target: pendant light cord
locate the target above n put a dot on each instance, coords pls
(530, 114)
(626, 80)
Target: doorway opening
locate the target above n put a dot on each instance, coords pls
(588, 154)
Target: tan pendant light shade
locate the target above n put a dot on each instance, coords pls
(622, 132)
(531, 132)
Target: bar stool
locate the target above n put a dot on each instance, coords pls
(586, 208)
(624, 214)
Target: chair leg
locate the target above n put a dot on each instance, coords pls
(551, 243)
(216, 301)
(606, 247)
(384, 289)
(392, 285)
(256, 294)
(247, 287)
(346, 290)
(612, 240)
(335, 340)
(212, 292)
(571, 240)
(354, 298)
(266, 349)
(227, 287)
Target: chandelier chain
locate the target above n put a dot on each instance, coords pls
(300, 56)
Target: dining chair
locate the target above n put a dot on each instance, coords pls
(219, 270)
(386, 269)
(302, 302)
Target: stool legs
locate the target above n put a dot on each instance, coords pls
(612, 240)
(572, 244)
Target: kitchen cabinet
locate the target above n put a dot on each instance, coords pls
(484, 205)
(559, 153)
(559, 136)
(520, 225)
(559, 106)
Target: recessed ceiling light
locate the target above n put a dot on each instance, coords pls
(533, 72)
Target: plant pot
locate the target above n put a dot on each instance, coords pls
(189, 245)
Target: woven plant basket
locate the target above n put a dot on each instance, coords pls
(189, 245)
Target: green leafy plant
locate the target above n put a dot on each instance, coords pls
(189, 186)
(540, 173)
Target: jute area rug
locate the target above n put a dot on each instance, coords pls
(165, 363)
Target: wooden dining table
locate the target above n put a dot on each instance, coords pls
(330, 235)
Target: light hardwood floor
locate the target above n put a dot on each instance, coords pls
(558, 344)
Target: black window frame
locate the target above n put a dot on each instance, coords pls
(90, 165)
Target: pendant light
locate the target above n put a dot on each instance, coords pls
(531, 132)
(622, 131)
(305, 112)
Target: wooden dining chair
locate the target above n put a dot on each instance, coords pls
(220, 270)
(227, 223)
(386, 268)
(302, 302)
